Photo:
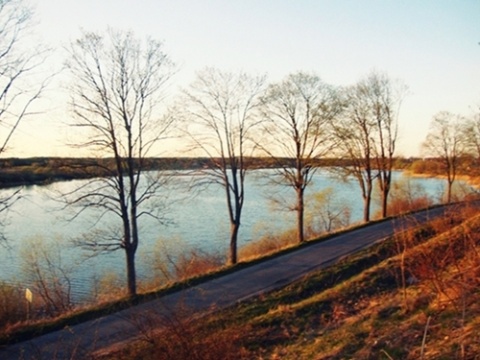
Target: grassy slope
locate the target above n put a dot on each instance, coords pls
(356, 309)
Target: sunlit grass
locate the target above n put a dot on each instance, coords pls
(355, 309)
(351, 309)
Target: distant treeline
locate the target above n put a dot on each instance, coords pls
(43, 170)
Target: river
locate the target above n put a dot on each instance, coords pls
(198, 222)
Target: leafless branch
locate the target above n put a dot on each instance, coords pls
(117, 94)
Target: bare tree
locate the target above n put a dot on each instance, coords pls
(355, 131)
(326, 213)
(445, 141)
(368, 132)
(20, 84)
(471, 134)
(297, 112)
(117, 91)
(219, 110)
(386, 97)
(49, 274)
(19, 62)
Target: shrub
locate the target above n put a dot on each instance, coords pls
(176, 260)
(324, 213)
(178, 335)
(49, 274)
(401, 206)
(107, 288)
(406, 197)
(195, 262)
(267, 245)
(13, 305)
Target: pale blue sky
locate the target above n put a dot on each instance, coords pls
(432, 46)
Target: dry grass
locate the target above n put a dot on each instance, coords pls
(353, 310)
(179, 336)
(267, 245)
(107, 288)
(195, 263)
(175, 260)
(404, 205)
(13, 306)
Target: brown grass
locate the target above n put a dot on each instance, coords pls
(13, 305)
(404, 205)
(363, 312)
(195, 263)
(179, 336)
(267, 245)
(360, 317)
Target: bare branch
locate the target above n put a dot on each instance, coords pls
(19, 63)
(297, 113)
(117, 94)
(446, 141)
(219, 116)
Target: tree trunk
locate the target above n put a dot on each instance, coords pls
(366, 208)
(132, 248)
(385, 192)
(449, 191)
(367, 200)
(384, 204)
(234, 227)
(300, 213)
(131, 274)
(387, 185)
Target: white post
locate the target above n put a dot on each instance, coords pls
(29, 298)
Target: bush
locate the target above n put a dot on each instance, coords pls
(179, 335)
(406, 197)
(49, 275)
(267, 244)
(13, 305)
(324, 213)
(107, 288)
(175, 260)
(195, 262)
(402, 206)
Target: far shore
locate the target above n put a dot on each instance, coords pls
(473, 181)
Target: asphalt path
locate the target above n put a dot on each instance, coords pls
(79, 341)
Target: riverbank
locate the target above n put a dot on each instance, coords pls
(356, 309)
(351, 270)
(45, 170)
(197, 224)
(472, 181)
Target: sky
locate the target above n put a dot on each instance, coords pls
(433, 46)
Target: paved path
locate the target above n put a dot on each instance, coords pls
(78, 341)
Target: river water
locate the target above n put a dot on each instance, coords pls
(199, 221)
